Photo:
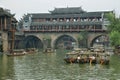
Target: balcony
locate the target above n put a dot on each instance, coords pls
(66, 23)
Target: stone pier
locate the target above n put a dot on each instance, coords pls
(4, 36)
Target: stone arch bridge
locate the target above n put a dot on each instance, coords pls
(39, 39)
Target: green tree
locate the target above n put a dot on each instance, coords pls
(114, 29)
(115, 38)
(47, 40)
(80, 37)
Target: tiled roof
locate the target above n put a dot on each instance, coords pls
(68, 10)
(73, 12)
(87, 14)
(4, 13)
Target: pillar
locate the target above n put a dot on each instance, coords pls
(5, 23)
(1, 24)
(5, 41)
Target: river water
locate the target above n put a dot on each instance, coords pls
(42, 66)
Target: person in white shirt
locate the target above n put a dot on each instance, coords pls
(78, 58)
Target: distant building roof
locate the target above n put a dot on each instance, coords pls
(68, 13)
(68, 10)
(75, 12)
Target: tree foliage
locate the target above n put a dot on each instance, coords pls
(114, 29)
(82, 38)
(115, 38)
(83, 35)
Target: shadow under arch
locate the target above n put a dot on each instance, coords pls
(100, 40)
(32, 42)
(64, 42)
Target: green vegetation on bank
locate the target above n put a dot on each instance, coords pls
(114, 30)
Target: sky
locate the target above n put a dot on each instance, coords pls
(21, 7)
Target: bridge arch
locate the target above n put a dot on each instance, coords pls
(32, 41)
(101, 39)
(65, 41)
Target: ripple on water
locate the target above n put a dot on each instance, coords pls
(52, 67)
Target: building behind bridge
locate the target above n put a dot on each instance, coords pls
(70, 19)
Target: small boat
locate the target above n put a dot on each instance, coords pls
(104, 58)
(87, 57)
(19, 52)
(31, 50)
(12, 51)
(74, 57)
(71, 57)
(48, 50)
(98, 48)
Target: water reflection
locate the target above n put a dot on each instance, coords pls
(3, 66)
(6, 67)
(52, 67)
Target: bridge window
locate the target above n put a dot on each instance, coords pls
(74, 20)
(82, 27)
(54, 20)
(67, 27)
(68, 20)
(26, 21)
(61, 20)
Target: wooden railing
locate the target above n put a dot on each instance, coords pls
(65, 30)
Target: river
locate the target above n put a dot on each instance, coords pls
(42, 66)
